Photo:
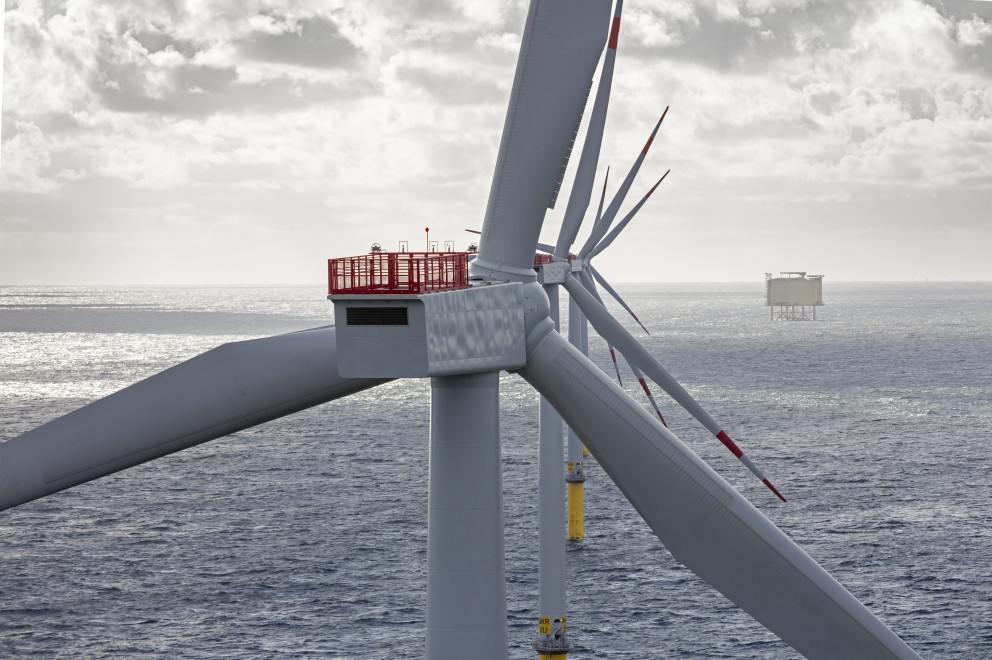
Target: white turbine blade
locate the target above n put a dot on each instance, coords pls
(647, 391)
(230, 388)
(611, 330)
(702, 520)
(616, 367)
(612, 236)
(591, 287)
(615, 295)
(585, 174)
(561, 45)
(602, 198)
(611, 211)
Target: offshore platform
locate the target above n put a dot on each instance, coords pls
(795, 296)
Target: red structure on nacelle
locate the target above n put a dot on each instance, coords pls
(397, 273)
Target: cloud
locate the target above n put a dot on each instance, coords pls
(974, 32)
(155, 42)
(866, 95)
(746, 37)
(315, 41)
(338, 123)
(26, 161)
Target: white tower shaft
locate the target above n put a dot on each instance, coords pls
(466, 575)
(551, 639)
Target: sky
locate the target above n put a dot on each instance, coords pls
(247, 141)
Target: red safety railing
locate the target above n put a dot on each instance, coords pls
(397, 273)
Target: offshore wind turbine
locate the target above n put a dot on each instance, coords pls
(592, 309)
(461, 336)
(600, 238)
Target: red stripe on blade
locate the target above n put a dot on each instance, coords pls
(614, 33)
(653, 188)
(655, 131)
(729, 444)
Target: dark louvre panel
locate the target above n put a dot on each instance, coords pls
(377, 316)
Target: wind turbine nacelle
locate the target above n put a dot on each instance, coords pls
(555, 272)
(446, 333)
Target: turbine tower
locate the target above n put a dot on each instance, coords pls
(461, 334)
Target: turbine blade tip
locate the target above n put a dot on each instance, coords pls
(774, 490)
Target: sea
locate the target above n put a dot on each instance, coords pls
(306, 537)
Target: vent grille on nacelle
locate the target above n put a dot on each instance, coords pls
(377, 316)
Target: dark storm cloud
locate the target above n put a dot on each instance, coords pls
(311, 42)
